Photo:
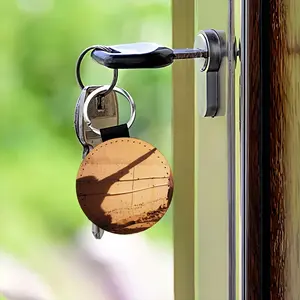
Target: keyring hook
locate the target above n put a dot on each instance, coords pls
(78, 65)
(102, 90)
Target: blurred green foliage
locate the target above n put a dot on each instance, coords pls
(40, 155)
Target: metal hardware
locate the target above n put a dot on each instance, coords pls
(208, 75)
(97, 232)
(78, 65)
(108, 116)
(209, 50)
(143, 55)
(99, 91)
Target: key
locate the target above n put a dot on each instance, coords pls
(78, 122)
(103, 112)
(143, 55)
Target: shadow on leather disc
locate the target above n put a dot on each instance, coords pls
(124, 185)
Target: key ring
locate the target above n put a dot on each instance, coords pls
(102, 90)
(78, 65)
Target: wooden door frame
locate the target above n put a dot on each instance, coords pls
(256, 96)
(270, 64)
(183, 152)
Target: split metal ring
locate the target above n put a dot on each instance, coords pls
(78, 65)
(101, 91)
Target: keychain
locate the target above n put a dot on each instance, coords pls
(124, 185)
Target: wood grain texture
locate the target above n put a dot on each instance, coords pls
(284, 146)
(124, 185)
(278, 105)
(253, 236)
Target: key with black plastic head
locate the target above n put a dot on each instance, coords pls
(143, 56)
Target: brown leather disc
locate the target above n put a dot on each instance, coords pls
(124, 185)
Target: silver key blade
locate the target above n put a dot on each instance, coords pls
(103, 112)
(97, 231)
(78, 117)
(79, 129)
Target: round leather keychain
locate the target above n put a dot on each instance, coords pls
(124, 185)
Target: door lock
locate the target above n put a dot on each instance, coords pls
(208, 52)
(210, 72)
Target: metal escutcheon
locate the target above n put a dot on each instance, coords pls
(209, 71)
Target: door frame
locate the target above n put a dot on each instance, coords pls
(183, 152)
(192, 240)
